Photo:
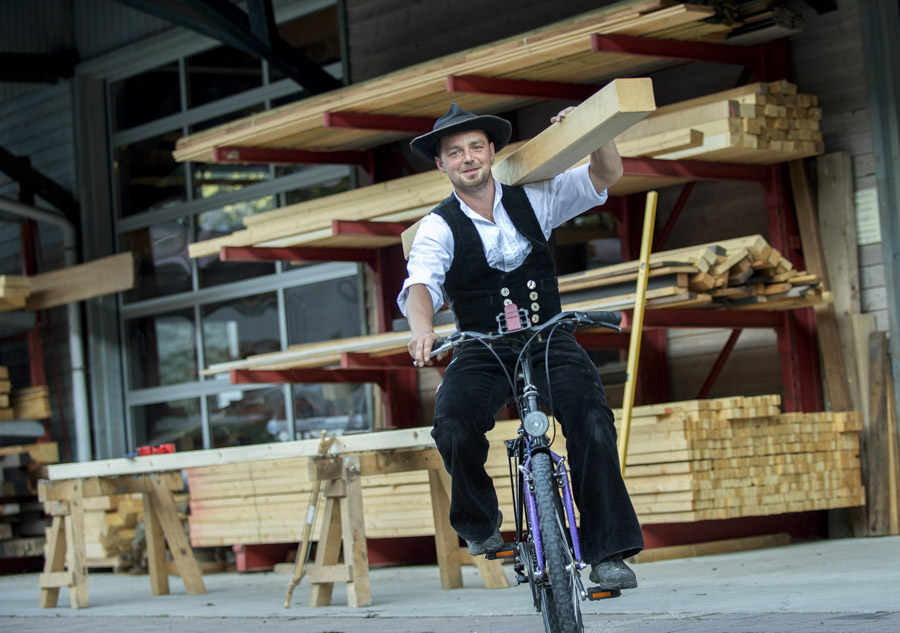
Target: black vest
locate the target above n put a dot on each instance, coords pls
(478, 292)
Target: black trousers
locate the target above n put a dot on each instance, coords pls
(473, 390)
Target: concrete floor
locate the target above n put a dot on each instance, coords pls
(838, 586)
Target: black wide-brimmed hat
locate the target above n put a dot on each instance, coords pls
(458, 120)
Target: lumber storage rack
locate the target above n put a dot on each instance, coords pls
(795, 329)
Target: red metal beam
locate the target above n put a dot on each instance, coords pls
(602, 340)
(695, 169)
(660, 240)
(707, 319)
(231, 155)
(383, 122)
(295, 253)
(351, 360)
(719, 364)
(362, 227)
(520, 88)
(254, 376)
(752, 56)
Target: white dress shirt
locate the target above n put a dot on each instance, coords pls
(554, 201)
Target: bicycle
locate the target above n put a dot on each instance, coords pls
(546, 550)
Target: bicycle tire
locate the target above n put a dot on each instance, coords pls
(564, 600)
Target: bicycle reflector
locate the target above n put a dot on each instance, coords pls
(536, 423)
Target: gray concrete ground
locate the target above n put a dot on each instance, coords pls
(834, 586)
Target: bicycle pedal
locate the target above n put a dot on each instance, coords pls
(508, 551)
(599, 593)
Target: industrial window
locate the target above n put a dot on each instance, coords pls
(188, 314)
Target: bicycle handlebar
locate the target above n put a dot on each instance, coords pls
(570, 320)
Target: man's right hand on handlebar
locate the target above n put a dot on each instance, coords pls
(419, 347)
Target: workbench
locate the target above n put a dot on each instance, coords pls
(156, 476)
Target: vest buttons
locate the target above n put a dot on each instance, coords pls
(507, 302)
(504, 292)
(535, 307)
(533, 296)
(535, 318)
(531, 285)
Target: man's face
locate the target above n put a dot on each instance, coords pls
(466, 159)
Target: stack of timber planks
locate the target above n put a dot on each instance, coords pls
(559, 52)
(6, 410)
(14, 291)
(31, 403)
(113, 526)
(737, 457)
(737, 274)
(741, 274)
(687, 461)
(22, 519)
(761, 123)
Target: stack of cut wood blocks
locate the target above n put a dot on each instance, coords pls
(114, 529)
(22, 519)
(687, 461)
(760, 123)
(14, 291)
(30, 403)
(267, 502)
(736, 457)
(741, 274)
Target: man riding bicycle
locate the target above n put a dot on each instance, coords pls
(481, 248)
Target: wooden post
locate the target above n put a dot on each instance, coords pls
(54, 575)
(75, 544)
(156, 548)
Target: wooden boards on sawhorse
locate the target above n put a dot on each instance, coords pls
(64, 564)
(343, 526)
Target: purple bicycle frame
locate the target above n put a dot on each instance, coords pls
(531, 509)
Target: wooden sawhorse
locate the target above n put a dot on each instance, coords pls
(343, 524)
(64, 563)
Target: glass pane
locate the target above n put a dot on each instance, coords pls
(219, 73)
(227, 117)
(148, 176)
(337, 407)
(176, 422)
(323, 311)
(315, 35)
(320, 190)
(224, 221)
(163, 265)
(146, 97)
(239, 417)
(240, 328)
(211, 179)
(162, 349)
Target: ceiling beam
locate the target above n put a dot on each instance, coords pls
(40, 185)
(255, 34)
(45, 68)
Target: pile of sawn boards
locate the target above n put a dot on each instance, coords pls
(757, 123)
(687, 461)
(14, 291)
(22, 519)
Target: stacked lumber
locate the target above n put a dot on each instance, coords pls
(14, 291)
(267, 502)
(114, 529)
(738, 274)
(32, 403)
(22, 519)
(763, 20)
(761, 123)
(6, 410)
(687, 461)
(737, 457)
(559, 52)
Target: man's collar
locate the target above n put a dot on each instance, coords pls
(498, 196)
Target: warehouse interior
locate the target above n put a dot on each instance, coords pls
(201, 211)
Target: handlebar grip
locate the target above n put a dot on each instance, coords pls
(605, 318)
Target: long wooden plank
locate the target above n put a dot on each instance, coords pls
(596, 121)
(387, 440)
(104, 276)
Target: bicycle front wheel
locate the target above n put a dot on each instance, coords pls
(563, 599)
